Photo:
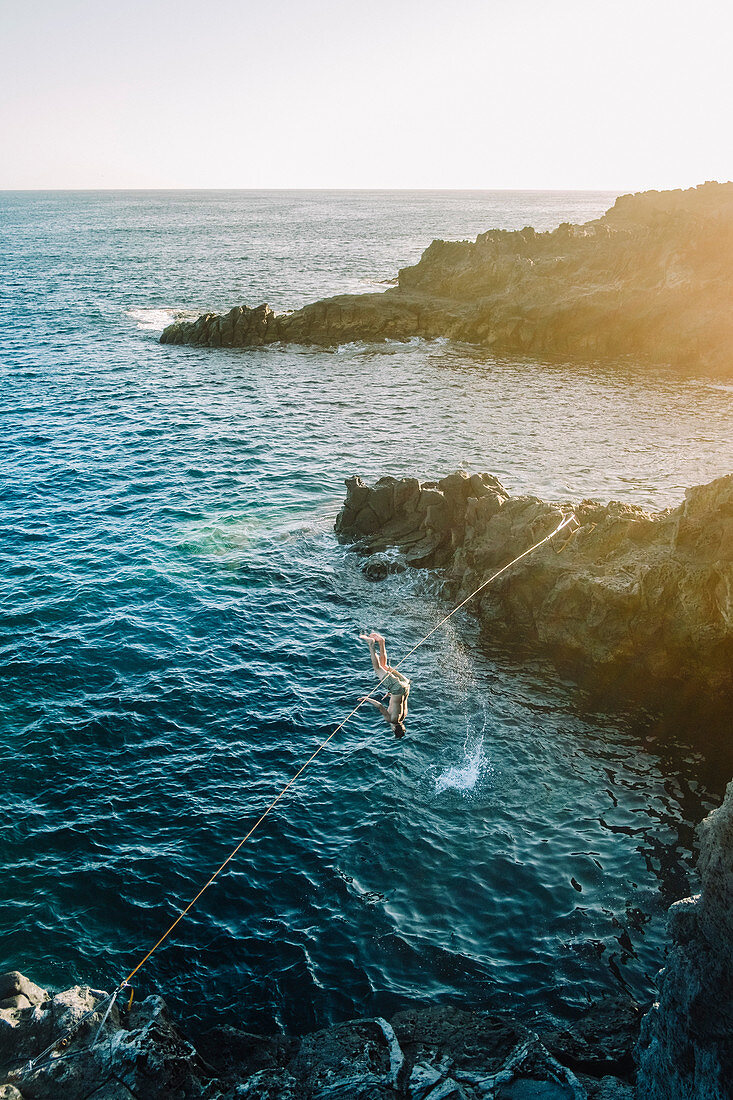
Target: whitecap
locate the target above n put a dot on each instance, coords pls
(155, 320)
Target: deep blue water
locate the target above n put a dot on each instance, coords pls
(179, 629)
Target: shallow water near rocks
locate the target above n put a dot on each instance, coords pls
(179, 630)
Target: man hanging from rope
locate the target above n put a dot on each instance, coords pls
(397, 685)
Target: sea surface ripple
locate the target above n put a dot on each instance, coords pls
(178, 630)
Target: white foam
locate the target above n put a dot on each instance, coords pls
(155, 320)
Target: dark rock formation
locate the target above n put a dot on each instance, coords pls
(652, 278)
(686, 1046)
(636, 597)
(602, 1041)
(438, 1053)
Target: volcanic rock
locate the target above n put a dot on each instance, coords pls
(652, 278)
(686, 1044)
(639, 599)
(438, 1053)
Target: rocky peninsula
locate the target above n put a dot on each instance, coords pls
(680, 1050)
(629, 598)
(652, 279)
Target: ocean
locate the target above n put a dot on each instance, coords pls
(178, 630)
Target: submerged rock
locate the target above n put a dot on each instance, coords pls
(652, 278)
(640, 600)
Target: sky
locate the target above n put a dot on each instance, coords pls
(480, 94)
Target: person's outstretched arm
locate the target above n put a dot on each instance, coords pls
(379, 706)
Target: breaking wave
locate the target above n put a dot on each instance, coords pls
(155, 320)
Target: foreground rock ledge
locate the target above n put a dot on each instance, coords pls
(439, 1053)
(652, 278)
(644, 599)
(684, 1049)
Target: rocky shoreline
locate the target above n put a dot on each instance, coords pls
(652, 279)
(442, 1053)
(638, 601)
(686, 1042)
(682, 1049)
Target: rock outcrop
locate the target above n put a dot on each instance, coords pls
(644, 599)
(438, 1053)
(686, 1046)
(652, 278)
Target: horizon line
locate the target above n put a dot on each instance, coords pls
(478, 190)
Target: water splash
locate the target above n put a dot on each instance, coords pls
(464, 777)
(457, 658)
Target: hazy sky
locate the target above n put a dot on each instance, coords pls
(381, 93)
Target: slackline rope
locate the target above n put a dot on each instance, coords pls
(63, 1040)
(563, 523)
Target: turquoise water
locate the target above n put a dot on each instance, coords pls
(179, 630)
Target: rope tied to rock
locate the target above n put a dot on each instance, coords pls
(65, 1038)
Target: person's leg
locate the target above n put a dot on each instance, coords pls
(372, 653)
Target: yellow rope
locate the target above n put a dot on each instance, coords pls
(563, 523)
(244, 839)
